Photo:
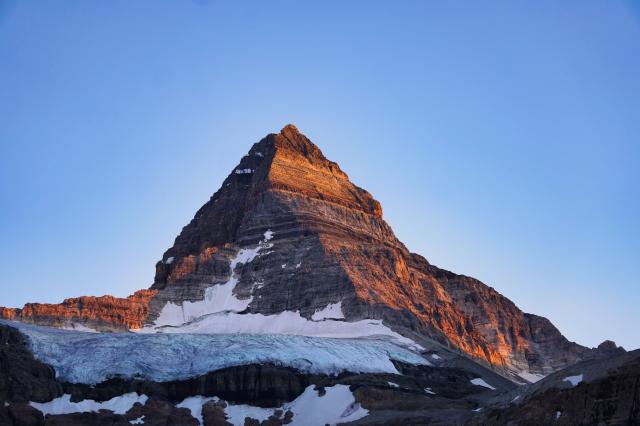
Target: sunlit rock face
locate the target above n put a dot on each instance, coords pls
(330, 245)
(105, 313)
(288, 236)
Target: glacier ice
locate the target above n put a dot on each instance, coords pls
(91, 358)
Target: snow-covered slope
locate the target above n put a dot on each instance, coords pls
(91, 358)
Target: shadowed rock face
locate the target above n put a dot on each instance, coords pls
(330, 245)
(606, 392)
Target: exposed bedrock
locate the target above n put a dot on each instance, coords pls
(328, 244)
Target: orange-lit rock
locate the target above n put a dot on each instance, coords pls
(330, 245)
(101, 313)
(345, 252)
(9, 313)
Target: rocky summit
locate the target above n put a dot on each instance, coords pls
(329, 310)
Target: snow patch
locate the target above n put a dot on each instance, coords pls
(481, 382)
(284, 265)
(243, 171)
(194, 404)
(574, 380)
(332, 311)
(558, 414)
(516, 398)
(429, 391)
(169, 261)
(393, 385)
(435, 356)
(337, 405)
(259, 154)
(298, 265)
(79, 327)
(531, 377)
(138, 421)
(217, 298)
(63, 405)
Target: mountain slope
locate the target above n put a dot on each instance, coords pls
(289, 245)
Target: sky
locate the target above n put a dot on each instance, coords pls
(502, 138)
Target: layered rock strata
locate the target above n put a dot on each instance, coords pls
(328, 247)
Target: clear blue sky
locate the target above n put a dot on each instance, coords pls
(502, 138)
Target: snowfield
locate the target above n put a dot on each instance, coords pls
(574, 380)
(63, 405)
(220, 312)
(481, 382)
(91, 358)
(337, 405)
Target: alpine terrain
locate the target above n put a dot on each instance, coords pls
(289, 300)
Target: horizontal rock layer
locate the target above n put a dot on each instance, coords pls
(106, 313)
(329, 245)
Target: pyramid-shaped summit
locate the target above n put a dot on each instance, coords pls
(288, 245)
(319, 246)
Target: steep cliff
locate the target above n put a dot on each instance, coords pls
(330, 245)
(289, 245)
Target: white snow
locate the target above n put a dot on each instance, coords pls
(429, 391)
(138, 421)
(298, 265)
(6, 404)
(243, 171)
(478, 409)
(94, 357)
(393, 385)
(169, 260)
(217, 298)
(194, 404)
(287, 322)
(436, 356)
(516, 398)
(331, 311)
(259, 154)
(574, 380)
(78, 327)
(337, 405)
(481, 382)
(284, 265)
(531, 377)
(220, 312)
(63, 405)
(558, 414)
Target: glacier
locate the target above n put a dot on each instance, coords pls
(91, 358)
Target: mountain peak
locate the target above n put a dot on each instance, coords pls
(290, 129)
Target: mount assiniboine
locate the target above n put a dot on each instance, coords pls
(289, 300)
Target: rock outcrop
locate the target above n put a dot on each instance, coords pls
(105, 313)
(594, 392)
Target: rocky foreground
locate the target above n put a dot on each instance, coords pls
(431, 392)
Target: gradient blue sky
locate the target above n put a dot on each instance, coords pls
(502, 138)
